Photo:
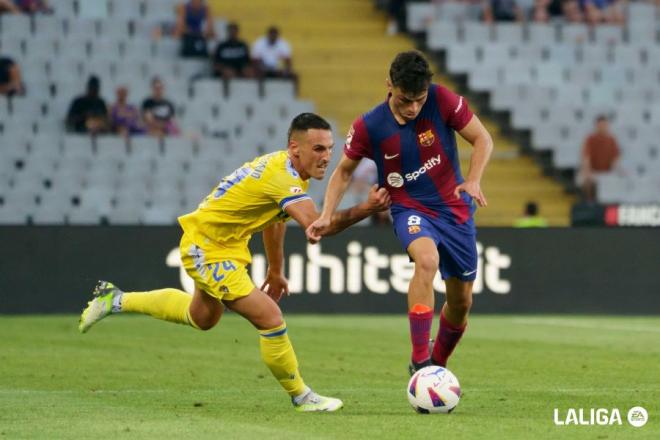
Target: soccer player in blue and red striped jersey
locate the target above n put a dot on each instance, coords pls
(411, 138)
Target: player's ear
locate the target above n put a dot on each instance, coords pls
(294, 147)
(388, 83)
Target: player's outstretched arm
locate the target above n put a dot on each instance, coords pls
(275, 284)
(477, 135)
(304, 212)
(339, 181)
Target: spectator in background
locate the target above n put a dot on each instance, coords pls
(503, 10)
(546, 10)
(572, 12)
(124, 117)
(158, 112)
(397, 11)
(34, 6)
(603, 11)
(88, 113)
(272, 56)
(8, 6)
(232, 56)
(600, 154)
(194, 25)
(11, 82)
(531, 217)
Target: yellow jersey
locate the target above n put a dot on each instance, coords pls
(247, 201)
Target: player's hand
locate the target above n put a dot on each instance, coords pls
(275, 285)
(378, 199)
(473, 189)
(315, 231)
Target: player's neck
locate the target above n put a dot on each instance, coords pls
(298, 167)
(398, 118)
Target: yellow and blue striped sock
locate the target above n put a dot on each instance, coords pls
(277, 353)
(168, 304)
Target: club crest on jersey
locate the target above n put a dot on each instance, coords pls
(395, 180)
(427, 138)
(414, 229)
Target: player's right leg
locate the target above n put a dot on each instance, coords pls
(421, 301)
(277, 351)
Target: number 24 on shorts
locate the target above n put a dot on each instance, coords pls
(215, 267)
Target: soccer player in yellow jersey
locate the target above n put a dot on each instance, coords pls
(259, 196)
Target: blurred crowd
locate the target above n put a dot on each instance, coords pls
(592, 12)
(270, 56)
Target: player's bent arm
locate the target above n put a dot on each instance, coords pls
(273, 237)
(339, 181)
(304, 212)
(477, 135)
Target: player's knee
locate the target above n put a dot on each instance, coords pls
(272, 320)
(427, 266)
(206, 321)
(461, 305)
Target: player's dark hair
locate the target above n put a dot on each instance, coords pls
(410, 72)
(306, 121)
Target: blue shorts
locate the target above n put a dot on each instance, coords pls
(457, 245)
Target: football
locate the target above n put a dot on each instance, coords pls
(433, 390)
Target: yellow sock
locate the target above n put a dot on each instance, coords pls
(168, 304)
(277, 353)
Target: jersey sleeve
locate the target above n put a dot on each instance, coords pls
(285, 187)
(357, 143)
(454, 108)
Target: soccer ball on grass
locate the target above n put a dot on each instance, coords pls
(433, 389)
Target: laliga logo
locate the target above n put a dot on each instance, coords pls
(637, 417)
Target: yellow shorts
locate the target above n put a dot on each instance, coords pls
(222, 277)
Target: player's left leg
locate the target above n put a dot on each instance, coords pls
(453, 319)
(277, 352)
(458, 265)
(200, 310)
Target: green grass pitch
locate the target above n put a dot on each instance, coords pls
(136, 377)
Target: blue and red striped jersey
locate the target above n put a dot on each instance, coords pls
(417, 162)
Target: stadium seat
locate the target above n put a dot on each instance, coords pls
(243, 90)
(418, 16)
(475, 32)
(540, 33)
(574, 33)
(509, 33)
(277, 89)
(15, 24)
(11, 46)
(93, 9)
(132, 10)
(608, 34)
(461, 57)
(442, 35)
(65, 8)
(597, 55)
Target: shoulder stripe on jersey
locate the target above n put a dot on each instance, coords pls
(293, 199)
(460, 104)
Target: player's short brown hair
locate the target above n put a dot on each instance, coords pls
(306, 121)
(410, 72)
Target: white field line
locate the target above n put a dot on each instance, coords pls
(587, 325)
